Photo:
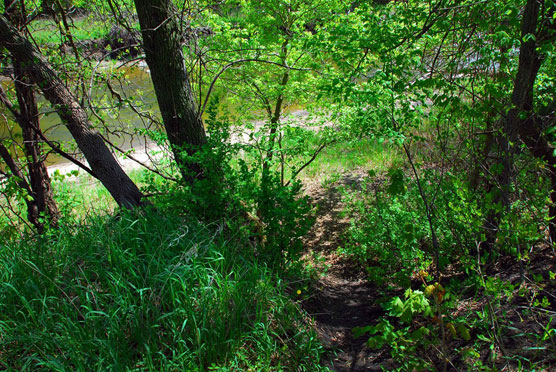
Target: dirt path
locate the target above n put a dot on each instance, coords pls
(343, 298)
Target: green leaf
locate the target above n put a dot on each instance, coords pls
(396, 306)
(464, 332)
(529, 37)
(360, 331)
(397, 184)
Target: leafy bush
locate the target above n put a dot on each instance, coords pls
(404, 341)
(418, 321)
(389, 231)
(234, 191)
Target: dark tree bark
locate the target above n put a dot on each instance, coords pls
(38, 185)
(38, 175)
(522, 122)
(162, 44)
(14, 171)
(41, 201)
(100, 159)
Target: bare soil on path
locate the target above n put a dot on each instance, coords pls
(342, 298)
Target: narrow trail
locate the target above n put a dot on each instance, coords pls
(343, 298)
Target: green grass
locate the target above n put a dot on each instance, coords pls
(80, 195)
(345, 156)
(148, 292)
(46, 31)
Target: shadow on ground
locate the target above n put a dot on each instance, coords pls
(343, 298)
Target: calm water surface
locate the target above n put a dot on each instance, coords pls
(122, 125)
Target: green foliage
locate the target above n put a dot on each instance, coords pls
(415, 303)
(235, 192)
(405, 341)
(389, 233)
(145, 292)
(401, 79)
(191, 286)
(385, 236)
(286, 218)
(422, 321)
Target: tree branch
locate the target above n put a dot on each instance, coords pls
(233, 63)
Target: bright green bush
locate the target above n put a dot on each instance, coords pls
(235, 191)
(389, 231)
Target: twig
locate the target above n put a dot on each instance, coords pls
(315, 154)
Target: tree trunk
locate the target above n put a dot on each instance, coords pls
(41, 201)
(38, 176)
(521, 118)
(522, 121)
(163, 52)
(100, 159)
(275, 118)
(32, 210)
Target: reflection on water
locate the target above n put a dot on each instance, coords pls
(113, 116)
(122, 108)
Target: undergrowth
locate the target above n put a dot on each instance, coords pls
(148, 291)
(193, 281)
(458, 308)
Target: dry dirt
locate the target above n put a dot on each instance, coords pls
(343, 298)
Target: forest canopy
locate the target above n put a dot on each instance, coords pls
(192, 184)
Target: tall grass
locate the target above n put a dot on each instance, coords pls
(348, 156)
(147, 292)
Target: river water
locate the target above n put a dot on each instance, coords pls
(122, 125)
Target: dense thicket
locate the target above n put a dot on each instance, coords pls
(458, 97)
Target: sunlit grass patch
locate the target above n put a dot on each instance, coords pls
(46, 31)
(346, 156)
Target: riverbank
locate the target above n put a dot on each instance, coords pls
(151, 153)
(136, 158)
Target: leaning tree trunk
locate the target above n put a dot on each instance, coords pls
(163, 52)
(100, 159)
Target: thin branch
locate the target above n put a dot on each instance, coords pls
(144, 165)
(233, 63)
(316, 153)
(58, 150)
